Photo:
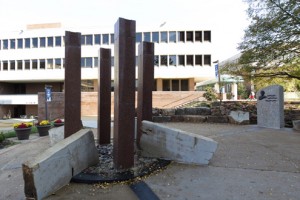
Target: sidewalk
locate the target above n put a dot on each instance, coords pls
(250, 163)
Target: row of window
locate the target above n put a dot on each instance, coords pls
(106, 39)
(91, 62)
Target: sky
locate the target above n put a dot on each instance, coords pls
(226, 18)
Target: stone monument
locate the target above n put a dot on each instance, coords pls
(270, 103)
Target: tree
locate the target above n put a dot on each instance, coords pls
(271, 44)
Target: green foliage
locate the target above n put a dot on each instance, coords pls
(210, 94)
(2, 137)
(12, 133)
(242, 91)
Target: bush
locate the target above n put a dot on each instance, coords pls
(210, 94)
(2, 137)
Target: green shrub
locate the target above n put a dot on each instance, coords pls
(210, 94)
(2, 137)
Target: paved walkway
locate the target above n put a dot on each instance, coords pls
(250, 163)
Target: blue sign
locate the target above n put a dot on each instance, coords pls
(216, 70)
(48, 93)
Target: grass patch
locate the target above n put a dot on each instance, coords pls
(12, 133)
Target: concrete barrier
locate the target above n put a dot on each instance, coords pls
(173, 144)
(54, 168)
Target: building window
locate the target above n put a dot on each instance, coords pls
(198, 36)
(112, 38)
(27, 64)
(27, 43)
(95, 61)
(34, 42)
(163, 60)
(189, 60)
(58, 41)
(20, 43)
(105, 39)
(138, 37)
(20, 65)
(42, 42)
(184, 83)
(50, 41)
(166, 85)
(12, 64)
(189, 36)
(5, 65)
(155, 37)
(181, 60)
(207, 60)
(172, 60)
(112, 61)
(89, 40)
(172, 36)
(175, 85)
(97, 39)
(5, 44)
(50, 63)
(87, 62)
(198, 59)
(164, 37)
(156, 60)
(147, 37)
(42, 64)
(207, 36)
(12, 43)
(57, 63)
(181, 36)
(34, 64)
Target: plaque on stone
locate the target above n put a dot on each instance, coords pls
(270, 103)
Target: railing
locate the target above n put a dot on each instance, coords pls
(26, 99)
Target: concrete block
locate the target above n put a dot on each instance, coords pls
(217, 119)
(194, 118)
(54, 168)
(239, 117)
(161, 119)
(56, 134)
(173, 144)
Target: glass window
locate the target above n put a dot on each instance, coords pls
(5, 65)
(166, 85)
(198, 36)
(5, 44)
(19, 64)
(138, 37)
(164, 60)
(198, 59)
(184, 83)
(172, 36)
(20, 43)
(89, 40)
(112, 38)
(189, 60)
(57, 63)
(27, 42)
(63, 63)
(175, 85)
(147, 37)
(172, 60)
(42, 42)
(82, 62)
(181, 60)
(207, 60)
(155, 37)
(97, 39)
(163, 36)
(58, 41)
(89, 62)
(105, 39)
(12, 64)
(50, 41)
(12, 43)
(42, 64)
(34, 42)
(34, 64)
(190, 36)
(112, 61)
(95, 61)
(27, 64)
(82, 40)
(207, 36)
(181, 36)
(50, 63)
(156, 58)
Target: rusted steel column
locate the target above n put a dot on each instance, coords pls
(145, 85)
(72, 83)
(124, 102)
(104, 96)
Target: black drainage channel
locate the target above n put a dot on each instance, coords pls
(143, 191)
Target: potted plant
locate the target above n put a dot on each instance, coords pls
(23, 130)
(58, 122)
(43, 127)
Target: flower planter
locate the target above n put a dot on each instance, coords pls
(23, 133)
(43, 130)
(58, 124)
(296, 125)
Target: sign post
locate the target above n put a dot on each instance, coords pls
(48, 98)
